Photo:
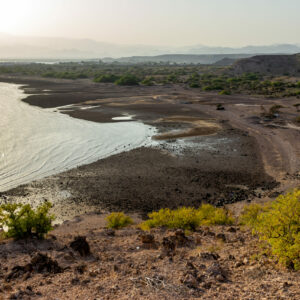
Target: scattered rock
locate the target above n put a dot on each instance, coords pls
(231, 229)
(286, 285)
(110, 232)
(221, 236)
(231, 257)
(197, 239)
(181, 239)
(206, 285)
(75, 281)
(216, 271)
(42, 263)
(209, 256)
(69, 257)
(81, 268)
(93, 274)
(147, 238)
(18, 271)
(168, 246)
(209, 233)
(190, 281)
(80, 245)
(238, 264)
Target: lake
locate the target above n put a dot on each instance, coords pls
(35, 142)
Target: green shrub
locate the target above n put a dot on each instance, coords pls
(274, 109)
(194, 84)
(250, 213)
(149, 81)
(127, 79)
(225, 92)
(172, 78)
(297, 119)
(106, 78)
(188, 218)
(22, 221)
(279, 225)
(117, 220)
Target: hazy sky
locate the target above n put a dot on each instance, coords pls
(156, 22)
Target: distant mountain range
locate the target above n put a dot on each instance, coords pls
(218, 59)
(19, 47)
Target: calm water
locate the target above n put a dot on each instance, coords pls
(35, 143)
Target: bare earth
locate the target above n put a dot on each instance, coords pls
(212, 263)
(228, 157)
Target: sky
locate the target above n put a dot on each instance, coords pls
(156, 22)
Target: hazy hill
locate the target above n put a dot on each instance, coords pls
(20, 47)
(269, 64)
(266, 49)
(177, 58)
(226, 61)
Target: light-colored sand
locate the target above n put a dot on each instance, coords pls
(197, 127)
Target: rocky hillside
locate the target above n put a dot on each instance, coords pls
(269, 64)
(225, 62)
(81, 259)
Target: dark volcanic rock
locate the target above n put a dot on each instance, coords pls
(81, 245)
(147, 238)
(40, 263)
(168, 246)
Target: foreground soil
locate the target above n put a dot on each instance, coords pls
(211, 263)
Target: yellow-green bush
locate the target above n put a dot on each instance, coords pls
(22, 221)
(250, 213)
(117, 220)
(188, 217)
(279, 225)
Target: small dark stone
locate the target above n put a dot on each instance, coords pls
(110, 232)
(80, 245)
(169, 246)
(81, 269)
(190, 281)
(209, 256)
(147, 238)
(231, 229)
(231, 257)
(75, 281)
(215, 270)
(221, 236)
(42, 263)
(181, 239)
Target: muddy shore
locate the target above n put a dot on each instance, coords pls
(219, 167)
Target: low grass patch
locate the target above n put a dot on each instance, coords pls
(188, 218)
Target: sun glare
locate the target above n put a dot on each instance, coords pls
(15, 16)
